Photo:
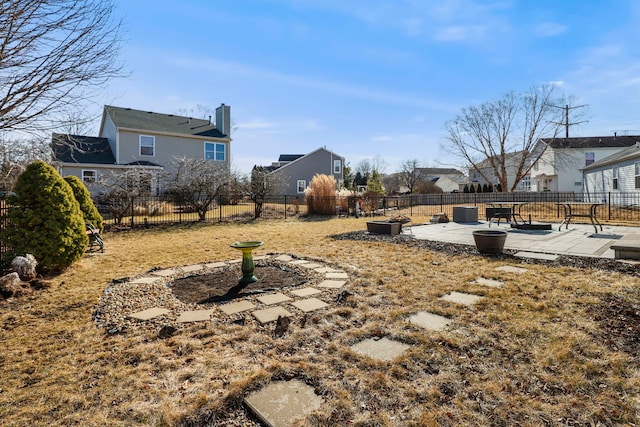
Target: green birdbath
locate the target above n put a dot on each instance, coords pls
(247, 261)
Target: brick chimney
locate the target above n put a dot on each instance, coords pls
(223, 119)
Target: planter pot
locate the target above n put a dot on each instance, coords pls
(490, 241)
(384, 227)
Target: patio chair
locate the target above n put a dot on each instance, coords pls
(95, 240)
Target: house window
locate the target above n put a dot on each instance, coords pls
(89, 176)
(637, 168)
(302, 184)
(615, 177)
(589, 157)
(147, 145)
(535, 166)
(337, 166)
(214, 151)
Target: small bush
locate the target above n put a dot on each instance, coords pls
(45, 219)
(321, 195)
(81, 193)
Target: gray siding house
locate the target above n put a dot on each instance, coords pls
(613, 175)
(294, 172)
(144, 141)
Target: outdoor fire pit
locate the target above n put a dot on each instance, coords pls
(247, 261)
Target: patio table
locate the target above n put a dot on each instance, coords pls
(584, 210)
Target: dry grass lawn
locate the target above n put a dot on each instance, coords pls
(532, 353)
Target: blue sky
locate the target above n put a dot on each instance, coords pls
(373, 78)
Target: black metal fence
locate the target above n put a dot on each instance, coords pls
(149, 211)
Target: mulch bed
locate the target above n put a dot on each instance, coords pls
(223, 285)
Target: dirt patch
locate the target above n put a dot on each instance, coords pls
(223, 285)
(619, 319)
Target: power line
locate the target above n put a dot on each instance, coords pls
(566, 123)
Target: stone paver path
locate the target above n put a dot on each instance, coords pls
(492, 283)
(150, 313)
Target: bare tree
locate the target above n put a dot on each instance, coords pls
(263, 184)
(197, 182)
(498, 138)
(52, 53)
(411, 173)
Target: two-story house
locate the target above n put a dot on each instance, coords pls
(144, 141)
(559, 166)
(512, 165)
(292, 173)
(613, 175)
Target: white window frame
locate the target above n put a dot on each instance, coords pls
(150, 143)
(301, 185)
(89, 179)
(636, 166)
(211, 151)
(337, 166)
(614, 174)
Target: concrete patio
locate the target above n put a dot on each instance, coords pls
(579, 239)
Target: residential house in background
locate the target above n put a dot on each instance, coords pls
(448, 179)
(512, 163)
(143, 141)
(615, 174)
(294, 172)
(562, 160)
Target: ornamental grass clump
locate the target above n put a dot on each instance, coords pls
(45, 219)
(321, 195)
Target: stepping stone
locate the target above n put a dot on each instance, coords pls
(144, 280)
(336, 275)
(461, 298)
(280, 403)
(165, 273)
(311, 265)
(332, 284)
(492, 283)
(270, 314)
(259, 257)
(284, 258)
(430, 321)
(191, 268)
(309, 304)
(273, 298)
(299, 261)
(537, 255)
(305, 292)
(216, 265)
(327, 270)
(381, 349)
(149, 313)
(512, 269)
(236, 307)
(194, 316)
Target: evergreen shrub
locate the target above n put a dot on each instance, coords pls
(45, 219)
(81, 193)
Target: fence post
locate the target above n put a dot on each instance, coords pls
(132, 203)
(609, 204)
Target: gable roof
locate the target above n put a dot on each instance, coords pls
(621, 156)
(129, 118)
(299, 157)
(592, 141)
(439, 171)
(81, 149)
(289, 157)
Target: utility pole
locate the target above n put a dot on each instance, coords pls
(566, 123)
